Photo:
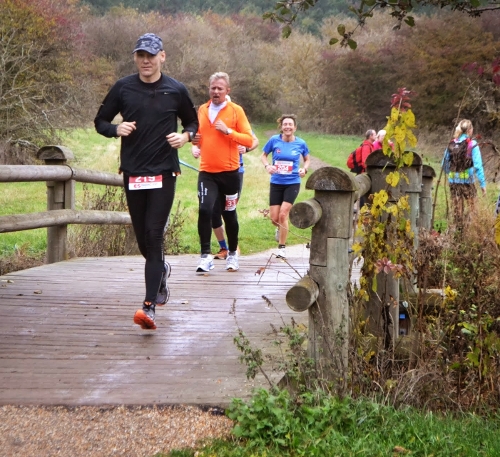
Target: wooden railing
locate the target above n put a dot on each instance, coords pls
(324, 291)
(60, 179)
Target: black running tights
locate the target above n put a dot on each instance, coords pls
(212, 188)
(149, 210)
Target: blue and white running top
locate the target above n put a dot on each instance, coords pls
(286, 156)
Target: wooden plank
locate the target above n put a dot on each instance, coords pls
(67, 336)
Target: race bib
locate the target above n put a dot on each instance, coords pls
(284, 167)
(145, 182)
(231, 202)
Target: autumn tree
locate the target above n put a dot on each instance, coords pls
(43, 59)
(289, 12)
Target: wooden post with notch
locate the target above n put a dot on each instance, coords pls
(60, 195)
(324, 291)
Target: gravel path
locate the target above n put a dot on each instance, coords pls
(105, 432)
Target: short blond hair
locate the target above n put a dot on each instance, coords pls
(219, 75)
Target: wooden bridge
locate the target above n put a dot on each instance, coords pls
(67, 336)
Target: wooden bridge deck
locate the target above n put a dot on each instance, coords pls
(67, 336)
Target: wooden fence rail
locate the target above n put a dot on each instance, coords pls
(60, 179)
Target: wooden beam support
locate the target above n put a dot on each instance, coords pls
(301, 296)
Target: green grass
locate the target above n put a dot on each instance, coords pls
(19, 198)
(275, 425)
(96, 152)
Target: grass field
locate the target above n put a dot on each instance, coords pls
(93, 151)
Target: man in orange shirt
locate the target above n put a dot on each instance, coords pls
(223, 126)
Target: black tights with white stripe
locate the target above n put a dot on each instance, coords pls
(149, 210)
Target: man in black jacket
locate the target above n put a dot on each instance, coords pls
(149, 103)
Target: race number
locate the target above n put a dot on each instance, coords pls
(231, 202)
(145, 182)
(284, 167)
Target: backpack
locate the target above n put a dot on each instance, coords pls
(354, 161)
(460, 155)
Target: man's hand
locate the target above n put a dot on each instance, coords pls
(195, 150)
(177, 140)
(125, 128)
(221, 127)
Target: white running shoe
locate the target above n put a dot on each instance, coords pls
(232, 263)
(277, 235)
(281, 253)
(206, 263)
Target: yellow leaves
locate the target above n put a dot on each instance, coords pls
(362, 293)
(408, 118)
(450, 294)
(404, 203)
(393, 178)
(368, 356)
(357, 248)
(380, 198)
(389, 132)
(388, 239)
(400, 134)
(387, 148)
(407, 158)
(394, 115)
(411, 138)
(393, 209)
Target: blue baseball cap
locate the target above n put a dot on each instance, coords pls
(149, 42)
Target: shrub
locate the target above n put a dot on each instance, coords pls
(102, 240)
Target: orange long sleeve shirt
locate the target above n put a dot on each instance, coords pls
(219, 152)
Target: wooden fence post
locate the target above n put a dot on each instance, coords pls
(383, 309)
(60, 195)
(425, 218)
(324, 291)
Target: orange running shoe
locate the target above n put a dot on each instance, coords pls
(222, 254)
(145, 317)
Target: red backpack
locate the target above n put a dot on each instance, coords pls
(355, 161)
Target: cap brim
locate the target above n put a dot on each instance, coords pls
(149, 51)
